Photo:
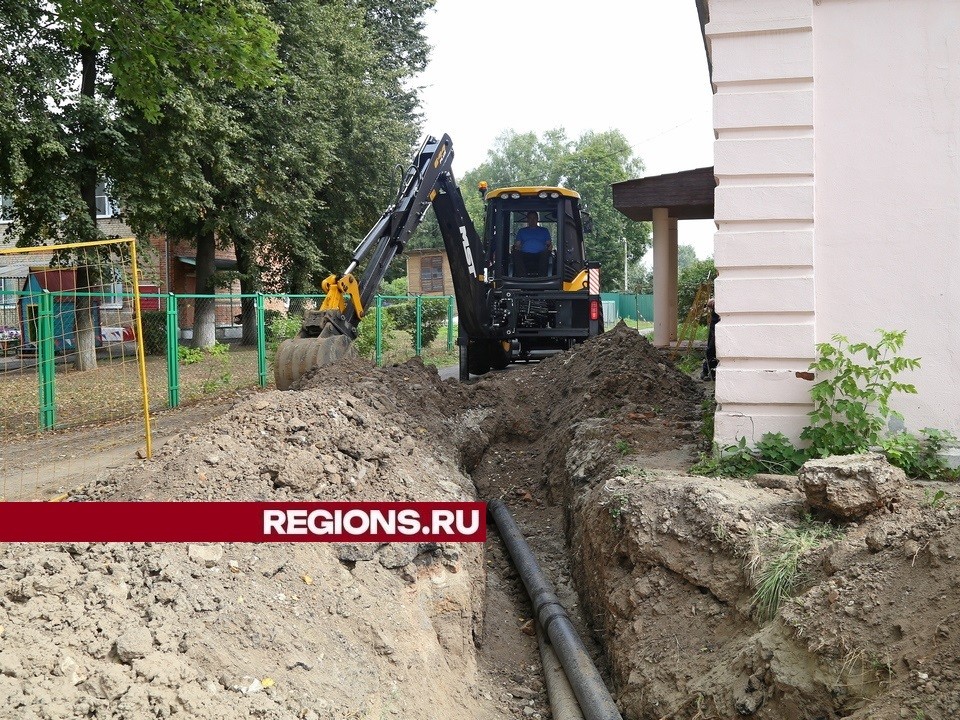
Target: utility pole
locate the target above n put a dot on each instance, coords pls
(624, 266)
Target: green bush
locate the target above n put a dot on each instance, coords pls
(689, 281)
(189, 355)
(192, 356)
(154, 324)
(917, 457)
(366, 342)
(280, 328)
(851, 406)
(774, 453)
(850, 415)
(433, 318)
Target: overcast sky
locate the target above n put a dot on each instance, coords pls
(532, 65)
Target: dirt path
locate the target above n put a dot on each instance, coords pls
(48, 465)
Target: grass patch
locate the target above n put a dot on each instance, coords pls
(778, 575)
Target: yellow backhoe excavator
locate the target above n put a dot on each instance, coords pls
(510, 307)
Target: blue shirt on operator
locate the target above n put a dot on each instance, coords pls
(533, 239)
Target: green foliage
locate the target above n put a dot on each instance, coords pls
(395, 288)
(366, 342)
(688, 363)
(68, 68)
(689, 281)
(851, 405)
(617, 506)
(935, 500)
(154, 324)
(851, 410)
(779, 575)
(916, 456)
(708, 410)
(622, 446)
(433, 317)
(686, 257)
(279, 328)
(192, 356)
(189, 355)
(774, 453)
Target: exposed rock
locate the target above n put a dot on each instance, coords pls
(850, 487)
(134, 643)
(207, 555)
(108, 684)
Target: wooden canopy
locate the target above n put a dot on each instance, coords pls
(688, 195)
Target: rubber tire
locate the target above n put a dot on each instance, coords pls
(478, 358)
(464, 364)
(499, 359)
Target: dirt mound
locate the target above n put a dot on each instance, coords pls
(670, 565)
(272, 631)
(664, 566)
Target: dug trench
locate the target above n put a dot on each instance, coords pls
(588, 449)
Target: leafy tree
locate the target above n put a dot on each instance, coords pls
(686, 256)
(588, 165)
(292, 174)
(64, 68)
(690, 280)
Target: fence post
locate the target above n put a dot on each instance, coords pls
(173, 352)
(46, 362)
(261, 340)
(378, 337)
(450, 323)
(418, 343)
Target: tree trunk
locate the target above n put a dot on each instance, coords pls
(249, 283)
(204, 316)
(84, 326)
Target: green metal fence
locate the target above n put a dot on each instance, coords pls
(177, 373)
(632, 306)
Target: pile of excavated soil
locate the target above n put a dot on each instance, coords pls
(663, 567)
(670, 565)
(268, 630)
(314, 631)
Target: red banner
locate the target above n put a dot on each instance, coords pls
(243, 522)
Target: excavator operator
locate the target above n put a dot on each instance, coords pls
(531, 252)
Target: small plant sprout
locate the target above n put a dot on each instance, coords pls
(623, 447)
(935, 500)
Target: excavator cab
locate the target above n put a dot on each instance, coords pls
(538, 302)
(515, 213)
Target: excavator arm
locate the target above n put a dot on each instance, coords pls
(327, 333)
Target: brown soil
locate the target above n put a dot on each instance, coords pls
(588, 450)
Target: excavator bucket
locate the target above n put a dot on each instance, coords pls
(296, 357)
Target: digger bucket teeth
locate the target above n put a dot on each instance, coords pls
(296, 357)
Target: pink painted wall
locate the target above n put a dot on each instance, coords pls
(838, 198)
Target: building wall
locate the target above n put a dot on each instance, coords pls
(887, 111)
(762, 55)
(838, 198)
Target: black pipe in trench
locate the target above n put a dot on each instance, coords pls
(592, 694)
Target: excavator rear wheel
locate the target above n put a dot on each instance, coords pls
(499, 357)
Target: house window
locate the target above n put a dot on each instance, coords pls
(105, 208)
(6, 208)
(112, 290)
(431, 274)
(9, 287)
